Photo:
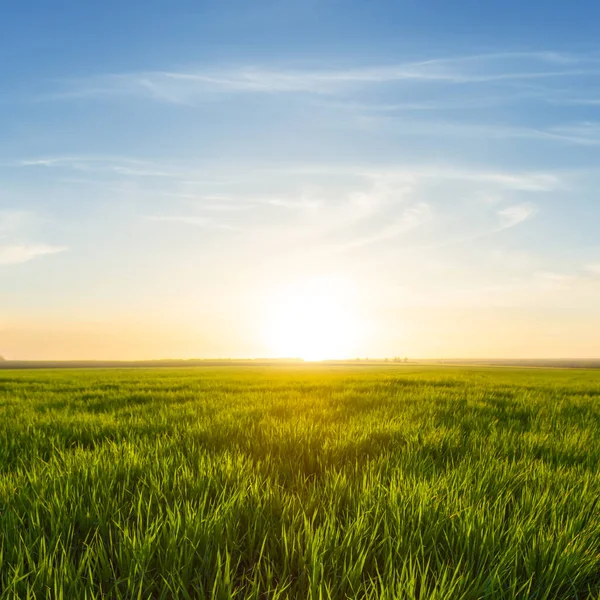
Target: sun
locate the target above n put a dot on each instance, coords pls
(314, 320)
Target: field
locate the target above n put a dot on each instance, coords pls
(299, 481)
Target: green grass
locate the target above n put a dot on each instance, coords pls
(395, 482)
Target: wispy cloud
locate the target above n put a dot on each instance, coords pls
(186, 86)
(593, 269)
(516, 180)
(587, 134)
(353, 205)
(12, 221)
(383, 176)
(12, 254)
(16, 226)
(100, 164)
(302, 204)
(191, 220)
(410, 218)
(514, 215)
(508, 217)
(593, 101)
(445, 104)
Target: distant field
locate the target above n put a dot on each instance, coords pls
(395, 482)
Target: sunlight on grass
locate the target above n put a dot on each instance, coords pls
(300, 482)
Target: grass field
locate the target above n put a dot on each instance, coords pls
(396, 482)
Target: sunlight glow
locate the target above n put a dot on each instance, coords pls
(313, 320)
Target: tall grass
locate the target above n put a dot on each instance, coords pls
(300, 482)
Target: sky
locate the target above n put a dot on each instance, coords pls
(250, 179)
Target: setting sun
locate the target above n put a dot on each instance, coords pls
(313, 320)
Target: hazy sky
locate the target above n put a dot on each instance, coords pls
(168, 170)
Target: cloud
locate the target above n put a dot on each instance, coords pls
(553, 279)
(133, 167)
(13, 254)
(103, 164)
(191, 220)
(444, 104)
(411, 218)
(584, 135)
(309, 205)
(593, 269)
(524, 181)
(585, 278)
(587, 132)
(186, 86)
(514, 215)
(12, 221)
(509, 217)
(352, 205)
(15, 226)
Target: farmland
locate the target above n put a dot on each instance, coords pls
(300, 481)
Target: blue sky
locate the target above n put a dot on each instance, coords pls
(165, 169)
